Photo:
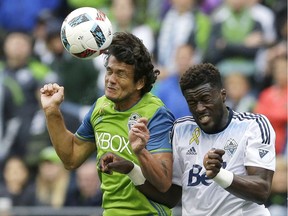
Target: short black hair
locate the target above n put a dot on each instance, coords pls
(201, 74)
(129, 49)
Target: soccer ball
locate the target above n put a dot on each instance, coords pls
(86, 32)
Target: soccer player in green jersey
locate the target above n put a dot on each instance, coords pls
(127, 107)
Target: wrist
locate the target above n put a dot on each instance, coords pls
(52, 111)
(224, 178)
(139, 151)
(136, 175)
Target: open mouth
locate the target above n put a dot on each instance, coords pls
(204, 119)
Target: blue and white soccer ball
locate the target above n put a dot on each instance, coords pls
(86, 32)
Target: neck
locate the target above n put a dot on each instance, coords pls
(124, 105)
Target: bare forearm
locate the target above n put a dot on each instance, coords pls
(157, 171)
(250, 188)
(61, 138)
(170, 198)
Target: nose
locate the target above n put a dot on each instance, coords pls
(200, 107)
(111, 78)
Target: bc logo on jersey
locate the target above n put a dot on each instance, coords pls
(196, 177)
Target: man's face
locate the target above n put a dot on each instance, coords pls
(119, 84)
(207, 107)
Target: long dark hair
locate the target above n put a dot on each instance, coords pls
(129, 49)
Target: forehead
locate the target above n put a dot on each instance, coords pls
(114, 64)
(200, 90)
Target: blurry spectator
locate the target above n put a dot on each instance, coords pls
(40, 49)
(38, 140)
(278, 49)
(78, 76)
(86, 190)
(21, 15)
(73, 4)
(273, 103)
(239, 93)
(155, 11)
(183, 23)
(277, 202)
(208, 6)
(17, 185)
(52, 179)
(266, 17)
(168, 89)
(124, 18)
(235, 39)
(21, 78)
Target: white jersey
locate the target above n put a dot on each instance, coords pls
(248, 140)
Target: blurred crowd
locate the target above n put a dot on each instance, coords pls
(245, 39)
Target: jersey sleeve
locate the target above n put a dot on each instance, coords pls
(160, 126)
(177, 170)
(85, 131)
(260, 150)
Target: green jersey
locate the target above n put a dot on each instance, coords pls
(109, 129)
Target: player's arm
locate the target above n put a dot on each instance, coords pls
(110, 162)
(71, 150)
(255, 186)
(170, 198)
(156, 167)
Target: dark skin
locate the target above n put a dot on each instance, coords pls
(207, 105)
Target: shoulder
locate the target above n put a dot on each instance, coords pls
(150, 101)
(256, 123)
(186, 120)
(248, 116)
(184, 123)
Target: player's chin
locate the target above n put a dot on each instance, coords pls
(111, 96)
(207, 127)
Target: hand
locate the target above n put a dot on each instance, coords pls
(139, 135)
(52, 95)
(255, 39)
(110, 162)
(213, 162)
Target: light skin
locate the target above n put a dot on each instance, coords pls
(124, 92)
(121, 89)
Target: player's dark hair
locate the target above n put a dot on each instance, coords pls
(129, 49)
(201, 74)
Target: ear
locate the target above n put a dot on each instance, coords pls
(140, 84)
(223, 94)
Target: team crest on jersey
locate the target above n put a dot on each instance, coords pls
(262, 152)
(133, 120)
(195, 136)
(231, 146)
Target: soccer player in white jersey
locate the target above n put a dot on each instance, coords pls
(127, 106)
(224, 160)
